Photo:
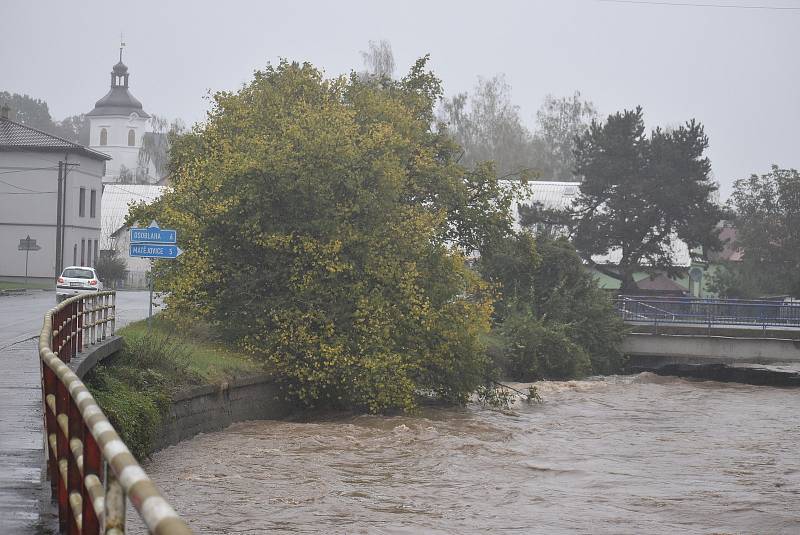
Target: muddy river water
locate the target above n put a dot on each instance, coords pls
(618, 455)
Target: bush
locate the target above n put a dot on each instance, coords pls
(110, 267)
(552, 322)
(535, 350)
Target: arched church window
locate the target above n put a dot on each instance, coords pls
(131, 138)
(103, 136)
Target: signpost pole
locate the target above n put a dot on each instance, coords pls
(153, 242)
(150, 311)
(28, 244)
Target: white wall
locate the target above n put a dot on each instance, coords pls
(28, 207)
(117, 127)
(137, 268)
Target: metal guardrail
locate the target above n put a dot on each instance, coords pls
(92, 473)
(708, 312)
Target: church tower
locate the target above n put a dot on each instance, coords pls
(117, 124)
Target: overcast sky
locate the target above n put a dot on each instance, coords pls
(736, 70)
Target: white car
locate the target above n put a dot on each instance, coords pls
(76, 280)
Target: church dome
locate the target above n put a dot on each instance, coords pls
(118, 101)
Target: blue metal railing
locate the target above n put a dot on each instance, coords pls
(708, 312)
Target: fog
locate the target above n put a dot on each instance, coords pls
(735, 69)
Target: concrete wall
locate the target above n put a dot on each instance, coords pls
(28, 208)
(201, 409)
(210, 408)
(652, 349)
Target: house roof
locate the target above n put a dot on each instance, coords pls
(554, 195)
(551, 195)
(660, 283)
(117, 200)
(18, 137)
(730, 248)
(678, 251)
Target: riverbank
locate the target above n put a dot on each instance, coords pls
(137, 387)
(615, 455)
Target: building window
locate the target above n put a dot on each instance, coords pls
(93, 203)
(95, 252)
(131, 138)
(75, 254)
(103, 136)
(89, 254)
(82, 202)
(83, 251)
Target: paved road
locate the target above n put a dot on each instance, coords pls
(21, 451)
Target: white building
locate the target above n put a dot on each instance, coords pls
(547, 195)
(117, 124)
(29, 186)
(117, 200)
(559, 196)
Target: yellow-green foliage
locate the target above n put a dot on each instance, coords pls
(324, 224)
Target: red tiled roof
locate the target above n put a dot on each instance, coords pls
(661, 283)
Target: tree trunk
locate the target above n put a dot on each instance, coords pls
(628, 286)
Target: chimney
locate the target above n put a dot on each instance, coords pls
(4, 111)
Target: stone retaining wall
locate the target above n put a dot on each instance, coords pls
(208, 408)
(201, 409)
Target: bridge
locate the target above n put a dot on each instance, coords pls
(671, 330)
(52, 429)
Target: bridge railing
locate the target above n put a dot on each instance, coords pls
(709, 312)
(92, 473)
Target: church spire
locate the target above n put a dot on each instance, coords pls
(119, 74)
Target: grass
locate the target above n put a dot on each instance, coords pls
(135, 387)
(6, 285)
(204, 357)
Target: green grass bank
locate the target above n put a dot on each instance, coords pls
(135, 387)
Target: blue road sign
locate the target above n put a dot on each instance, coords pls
(153, 234)
(154, 250)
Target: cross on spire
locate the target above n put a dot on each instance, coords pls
(121, 46)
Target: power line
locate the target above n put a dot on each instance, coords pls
(129, 192)
(24, 169)
(690, 4)
(21, 188)
(27, 192)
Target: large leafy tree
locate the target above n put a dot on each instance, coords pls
(28, 110)
(640, 192)
(324, 224)
(378, 60)
(767, 217)
(488, 126)
(35, 113)
(560, 121)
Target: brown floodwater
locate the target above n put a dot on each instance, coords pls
(637, 454)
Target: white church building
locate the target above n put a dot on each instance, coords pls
(117, 125)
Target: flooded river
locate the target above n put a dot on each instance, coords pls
(618, 455)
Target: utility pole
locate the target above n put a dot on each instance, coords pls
(59, 256)
(64, 206)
